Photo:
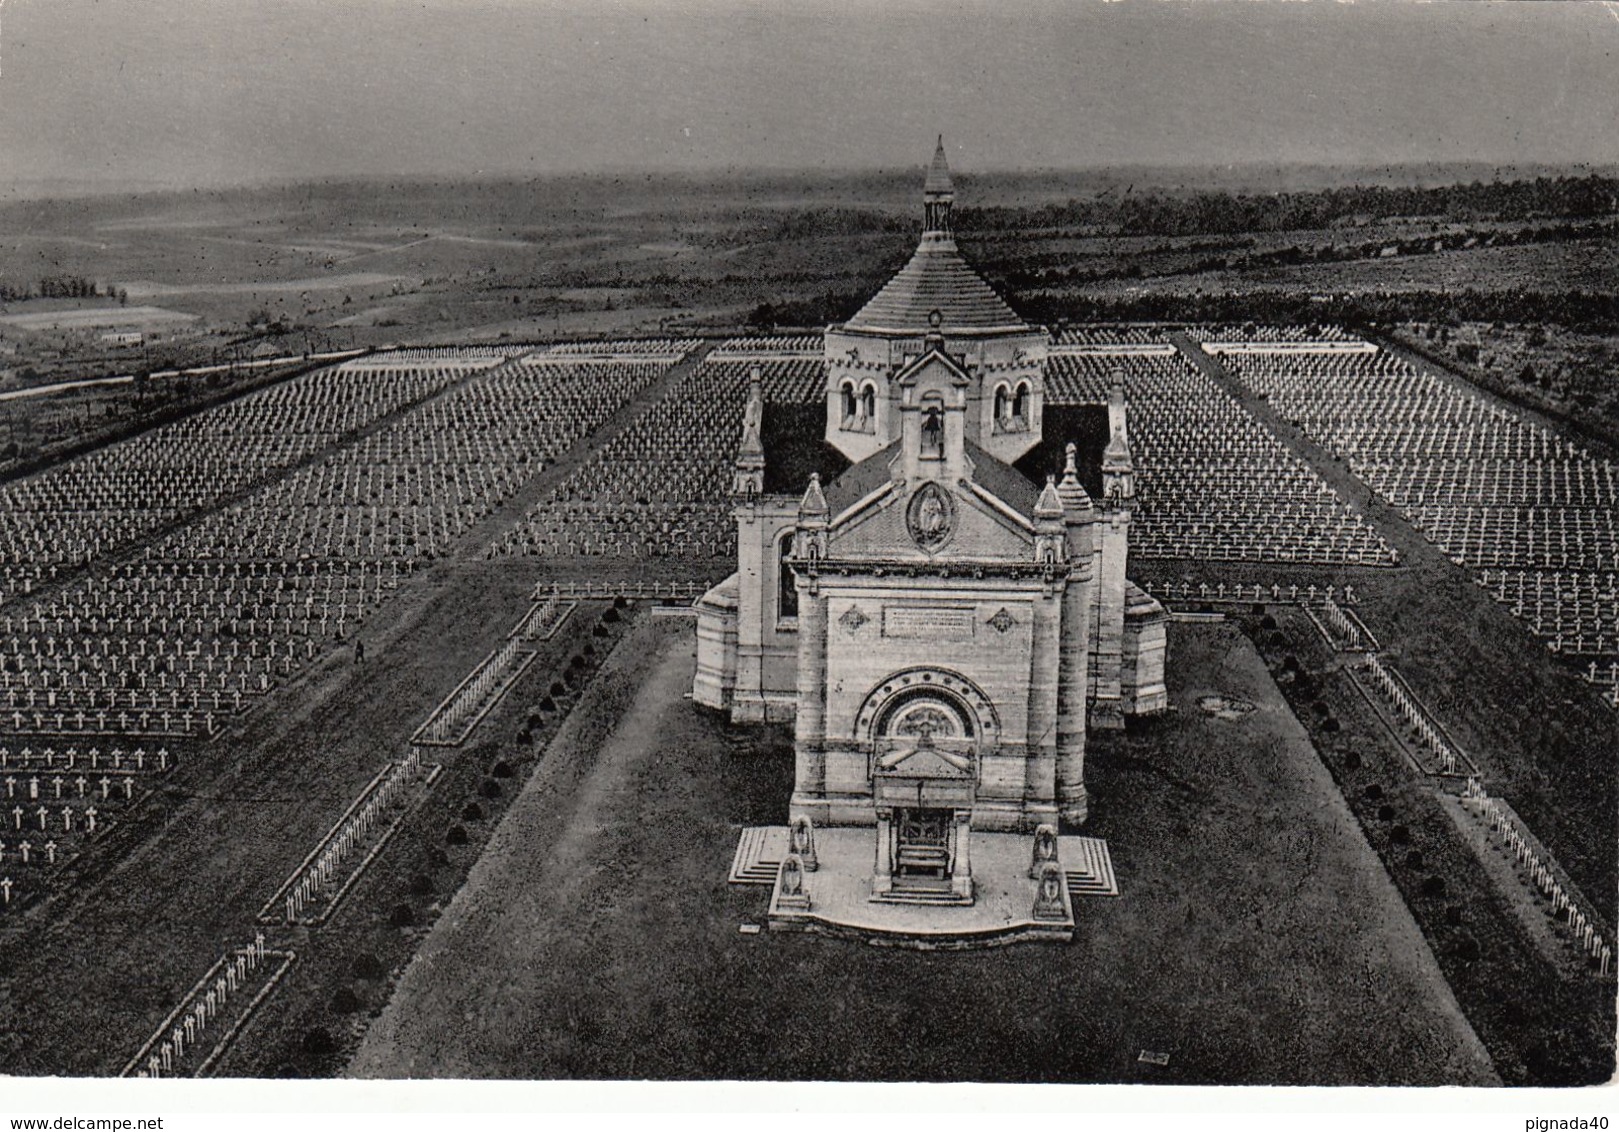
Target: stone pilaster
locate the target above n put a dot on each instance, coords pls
(1107, 699)
(809, 783)
(1073, 681)
(1045, 651)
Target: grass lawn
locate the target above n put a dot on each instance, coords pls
(1257, 938)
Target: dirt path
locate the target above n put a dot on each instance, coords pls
(555, 830)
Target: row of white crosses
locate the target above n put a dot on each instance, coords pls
(323, 871)
(542, 617)
(71, 758)
(1348, 630)
(23, 817)
(165, 722)
(1542, 877)
(653, 591)
(57, 783)
(634, 348)
(207, 1004)
(1276, 593)
(1415, 716)
(489, 678)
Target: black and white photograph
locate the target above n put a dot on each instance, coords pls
(699, 543)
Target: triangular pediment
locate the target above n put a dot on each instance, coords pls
(930, 520)
(934, 368)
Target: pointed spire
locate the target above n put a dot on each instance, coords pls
(748, 479)
(1117, 453)
(1074, 495)
(814, 503)
(938, 180)
(753, 416)
(938, 192)
(1050, 503)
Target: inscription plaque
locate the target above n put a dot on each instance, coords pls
(929, 622)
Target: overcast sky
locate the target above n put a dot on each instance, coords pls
(211, 91)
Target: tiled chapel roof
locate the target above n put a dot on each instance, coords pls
(937, 278)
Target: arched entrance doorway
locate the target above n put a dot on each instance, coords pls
(924, 781)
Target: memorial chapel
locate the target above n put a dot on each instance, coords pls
(931, 573)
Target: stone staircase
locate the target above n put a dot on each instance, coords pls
(759, 852)
(1088, 866)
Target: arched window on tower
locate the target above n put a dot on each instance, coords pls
(868, 408)
(786, 582)
(1003, 408)
(1020, 407)
(850, 408)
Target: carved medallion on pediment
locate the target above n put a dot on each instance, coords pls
(931, 517)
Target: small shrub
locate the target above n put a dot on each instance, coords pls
(1352, 760)
(421, 885)
(1278, 640)
(1467, 949)
(318, 1043)
(402, 916)
(558, 689)
(345, 1001)
(611, 615)
(457, 835)
(1453, 914)
(1331, 726)
(489, 788)
(1414, 858)
(1268, 623)
(439, 858)
(501, 770)
(1433, 886)
(367, 966)
(548, 704)
(577, 662)
(534, 720)
(525, 737)
(1290, 663)
(1385, 812)
(619, 603)
(473, 812)
(1400, 835)
(1373, 792)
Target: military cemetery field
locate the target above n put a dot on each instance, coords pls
(1373, 842)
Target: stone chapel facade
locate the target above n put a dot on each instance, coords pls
(935, 598)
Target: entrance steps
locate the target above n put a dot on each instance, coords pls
(759, 853)
(1088, 866)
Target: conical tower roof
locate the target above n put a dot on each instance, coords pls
(937, 278)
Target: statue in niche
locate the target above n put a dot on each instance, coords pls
(1048, 902)
(1045, 849)
(802, 838)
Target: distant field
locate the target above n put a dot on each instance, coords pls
(94, 318)
(143, 288)
(1571, 266)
